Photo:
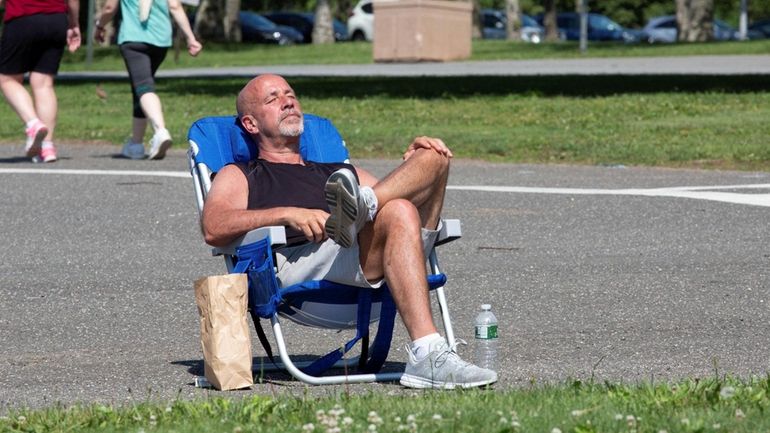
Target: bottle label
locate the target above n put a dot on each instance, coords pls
(486, 332)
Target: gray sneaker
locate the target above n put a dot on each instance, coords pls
(443, 368)
(347, 208)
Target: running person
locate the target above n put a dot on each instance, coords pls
(144, 38)
(34, 36)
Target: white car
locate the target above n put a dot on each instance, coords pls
(361, 21)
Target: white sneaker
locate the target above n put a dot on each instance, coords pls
(133, 150)
(159, 144)
(443, 368)
(347, 208)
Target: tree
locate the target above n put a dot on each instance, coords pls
(476, 19)
(513, 21)
(549, 20)
(323, 30)
(218, 20)
(694, 20)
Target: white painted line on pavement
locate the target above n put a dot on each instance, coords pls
(693, 192)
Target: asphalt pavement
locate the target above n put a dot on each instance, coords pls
(613, 273)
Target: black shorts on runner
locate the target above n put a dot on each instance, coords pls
(33, 43)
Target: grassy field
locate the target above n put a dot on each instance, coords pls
(655, 121)
(708, 405)
(218, 55)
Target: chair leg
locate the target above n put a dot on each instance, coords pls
(292, 368)
(442, 303)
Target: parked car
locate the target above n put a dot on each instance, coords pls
(303, 22)
(663, 29)
(361, 21)
(761, 29)
(493, 26)
(600, 28)
(256, 28)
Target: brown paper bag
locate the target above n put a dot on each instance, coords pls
(225, 333)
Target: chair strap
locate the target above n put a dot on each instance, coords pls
(262, 337)
(382, 341)
(362, 331)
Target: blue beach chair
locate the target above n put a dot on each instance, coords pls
(217, 141)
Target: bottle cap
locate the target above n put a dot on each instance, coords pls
(486, 307)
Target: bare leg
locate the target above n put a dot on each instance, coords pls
(422, 180)
(153, 109)
(45, 100)
(392, 246)
(17, 96)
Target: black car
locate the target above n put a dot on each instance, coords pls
(256, 28)
(759, 28)
(303, 22)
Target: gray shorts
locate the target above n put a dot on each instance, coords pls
(329, 261)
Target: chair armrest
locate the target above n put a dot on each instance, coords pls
(277, 235)
(450, 230)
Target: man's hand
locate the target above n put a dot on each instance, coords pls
(424, 142)
(310, 222)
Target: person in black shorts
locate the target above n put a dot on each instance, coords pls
(33, 41)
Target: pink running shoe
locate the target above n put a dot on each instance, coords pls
(48, 154)
(35, 135)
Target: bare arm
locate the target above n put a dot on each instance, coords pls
(225, 214)
(73, 29)
(177, 12)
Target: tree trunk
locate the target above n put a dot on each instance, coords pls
(695, 20)
(549, 20)
(513, 21)
(232, 25)
(208, 20)
(323, 30)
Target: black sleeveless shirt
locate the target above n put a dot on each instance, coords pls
(274, 184)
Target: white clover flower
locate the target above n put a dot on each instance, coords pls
(716, 426)
(397, 419)
(237, 429)
(739, 415)
(307, 428)
(662, 431)
(515, 424)
(372, 428)
(685, 421)
(169, 409)
(618, 416)
(402, 427)
(556, 430)
(21, 419)
(438, 417)
(411, 418)
(320, 414)
(503, 420)
(347, 420)
(579, 412)
(333, 430)
(727, 393)
(373, 418)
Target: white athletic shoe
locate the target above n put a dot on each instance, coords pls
(159, 144)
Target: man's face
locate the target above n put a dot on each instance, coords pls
(277, 110)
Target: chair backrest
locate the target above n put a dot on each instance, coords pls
(221, 140)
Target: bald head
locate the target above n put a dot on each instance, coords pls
(267, 106)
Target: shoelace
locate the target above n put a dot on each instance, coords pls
(450, 352)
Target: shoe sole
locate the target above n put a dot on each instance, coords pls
(161, 152)
(37, 142)
(341, 193)
(417, 382)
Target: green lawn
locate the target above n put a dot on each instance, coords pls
(655, 121)
(707, 405)
(219, 55)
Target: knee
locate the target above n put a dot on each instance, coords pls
(432, 161)
(400, 214)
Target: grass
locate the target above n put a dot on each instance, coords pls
(219, 55)
(707, 405)
(653, 121)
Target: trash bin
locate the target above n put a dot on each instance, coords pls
(422, 30)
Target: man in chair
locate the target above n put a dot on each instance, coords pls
(342, 223)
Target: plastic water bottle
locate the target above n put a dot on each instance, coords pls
(486, 338)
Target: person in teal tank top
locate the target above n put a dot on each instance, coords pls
(144, 38)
